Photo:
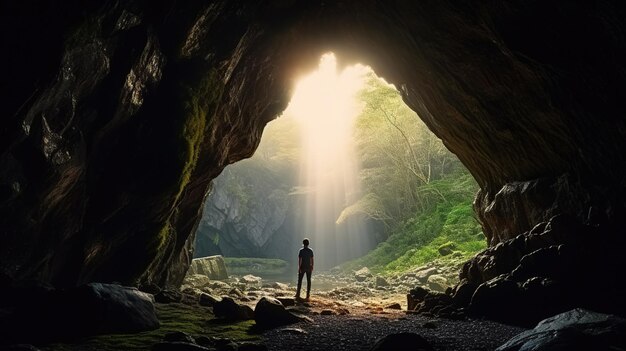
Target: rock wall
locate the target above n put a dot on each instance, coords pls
(119, 114)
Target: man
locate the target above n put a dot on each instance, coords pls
(305, 266)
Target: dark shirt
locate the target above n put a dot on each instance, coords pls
(306, 254)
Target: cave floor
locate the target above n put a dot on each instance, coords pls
(335, 326)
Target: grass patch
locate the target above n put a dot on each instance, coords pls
(194, 320)
(417, 241)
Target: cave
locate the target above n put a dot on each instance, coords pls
(117, 116)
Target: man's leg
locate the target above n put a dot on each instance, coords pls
(300, 274)
(308, 284)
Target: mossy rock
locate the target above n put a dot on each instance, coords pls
(447, 248)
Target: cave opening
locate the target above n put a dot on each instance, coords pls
(352, 168)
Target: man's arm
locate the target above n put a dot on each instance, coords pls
(312, 261)
(300, 264)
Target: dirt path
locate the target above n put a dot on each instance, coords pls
(358, 328)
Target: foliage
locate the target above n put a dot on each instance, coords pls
(418, 239)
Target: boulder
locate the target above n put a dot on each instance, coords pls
(168, 296)
(229, 310)
(207, 300)
(214, 267)
(446, 249)
(362, 274)
(286, 301)
(269, 313)
(251, 279)
(280, 286)
(422, 275)
(89, 309)
(197, 280)
(381, 282)
(394, 306)
(402, 341)
(577, 329)
(437, 282)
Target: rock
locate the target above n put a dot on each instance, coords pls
(286, 301)
(168, 296)
(251, 279)
(437, 282)
(269, 313)
(577, 329)
(328, 313)
(219, 285)
(207, 300)
(423, 274)
(499, 299)
(236, 292)
(213, 267)
(415, 296)
(446, 249)
(280, 286)
(197, 280)
(89, 309)
(178, 346)
(362, 274)
(394, 306)
(402, 341)
(178, 336)
(228, 309)
(381, 282)
(463, 293)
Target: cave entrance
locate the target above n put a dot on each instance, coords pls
(352, 168)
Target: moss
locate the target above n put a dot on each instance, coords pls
(194, 320)
(249, 265)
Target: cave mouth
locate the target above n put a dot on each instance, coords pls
(347, 165)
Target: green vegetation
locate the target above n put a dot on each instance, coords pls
(262, 266)
(193, 320)
(416, 241)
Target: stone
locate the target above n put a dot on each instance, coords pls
(219, 285)
(437, 282)
(380, 282)
(229, 310)
(286, 301)
(327, 313)
(197, 280)
(207, 300)
(362, 274)
(446, 249)
(168, 296)
(251, 279)
(394, 306)
(178, 346)
(236, 293)
(423, 274)
(402, 341)
(213, 267)
(270, 313)
(90, 309)
(280, 286)
(297, 331)
(577, 329)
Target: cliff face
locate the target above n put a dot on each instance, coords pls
(118, 116)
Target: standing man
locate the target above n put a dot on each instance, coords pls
(305, 265)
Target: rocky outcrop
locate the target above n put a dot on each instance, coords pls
(43, 314)
(214, 267)
(117, 115)
(577, 329)
(247, 213)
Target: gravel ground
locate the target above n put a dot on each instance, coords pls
(360, 332)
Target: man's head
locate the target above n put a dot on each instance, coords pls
(305, 242)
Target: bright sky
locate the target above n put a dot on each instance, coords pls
(325, 103)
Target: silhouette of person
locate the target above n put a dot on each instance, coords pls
(305, 266)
